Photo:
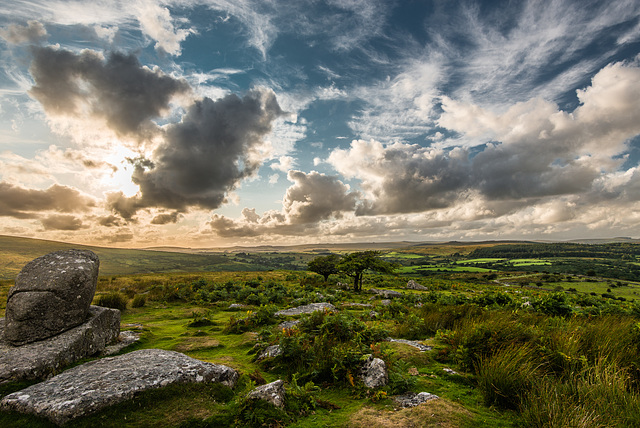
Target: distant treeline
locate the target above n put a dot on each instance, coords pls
(622, 251)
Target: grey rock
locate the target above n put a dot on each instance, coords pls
(356, 305)
(42, 359)
(385, 302)
(307, 309)
(101, 383)
(449, 371)
(126, 338)
(51, 294)
(270, 352)
(236, 306)
(412, 285)
(413, 343)
(412, 399)
(374, 372)
(373, 314)
(288, 324)
(273, 393)
(385, 293)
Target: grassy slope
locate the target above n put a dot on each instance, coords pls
(16, 252)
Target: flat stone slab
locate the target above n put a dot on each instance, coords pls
(126, 338)
(412, 343)
(307, 309)
(387, 294)
(43, 359)
(101, 383)
(412, 399)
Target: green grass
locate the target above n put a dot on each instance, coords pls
(478, 327)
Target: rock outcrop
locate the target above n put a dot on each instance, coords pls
(374, 372)
(44, 358)
(101, 383)
(51, 294)
(307, 309)
(273, 393)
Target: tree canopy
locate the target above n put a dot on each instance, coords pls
(355, 264)
(324, 265)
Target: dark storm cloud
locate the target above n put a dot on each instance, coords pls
(204, 156)
(62, 222)
(507, 172)
(109, 221)
(166, 218)
(117, 89)
(33, 32)
(20, 202)
(315, 197)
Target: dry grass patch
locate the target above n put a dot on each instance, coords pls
(433, 413)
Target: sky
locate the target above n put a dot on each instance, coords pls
(212, 123)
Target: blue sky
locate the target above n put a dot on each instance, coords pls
(214, 123)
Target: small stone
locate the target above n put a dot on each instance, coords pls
(385, 293)
(412, 343)
(270, 352)
(374, 372)
(412, 285)
(412, 399)
(273, 393)
(307, 309)
(287, 325)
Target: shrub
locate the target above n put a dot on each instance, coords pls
(138, 301)
(112, 300)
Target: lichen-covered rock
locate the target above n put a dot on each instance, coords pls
(387, 294)
(412, 343)
(307, 309)
(101, 383)
(288, 325)
(374, 372)
(412, 285)
(270, 352)
(273, 393)
(412, 399)
(51, 294)
(44, 358)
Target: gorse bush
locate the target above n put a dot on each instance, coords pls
(326, 347)
(261, 317)
(138, 301)
(112, 300)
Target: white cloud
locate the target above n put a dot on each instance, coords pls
(157, 23)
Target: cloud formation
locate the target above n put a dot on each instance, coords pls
(19, 202)
(531, 151)
(33, 32)
(312, 199)
(214, 147)
(116, 89)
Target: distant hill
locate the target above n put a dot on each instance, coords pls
(16, 252)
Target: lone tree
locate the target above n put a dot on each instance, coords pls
(324, 265)
(355, 264)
